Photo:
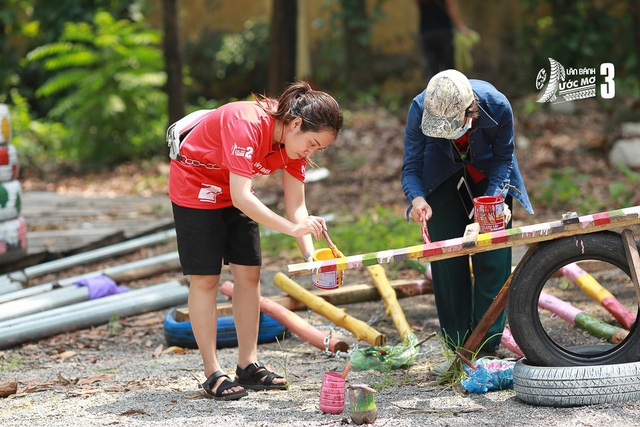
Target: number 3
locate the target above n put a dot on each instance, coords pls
(608, 88)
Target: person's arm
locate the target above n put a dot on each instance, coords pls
(454, 13)
(244, 199)
(296, 209)
(412, 164)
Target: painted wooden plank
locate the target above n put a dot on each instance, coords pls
(485, 242)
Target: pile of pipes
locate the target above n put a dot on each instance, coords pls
(30, 312)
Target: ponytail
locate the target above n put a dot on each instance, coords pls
(318, 110)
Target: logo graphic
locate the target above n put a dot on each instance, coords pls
(570, 84)
(208, 193)
(247, 152)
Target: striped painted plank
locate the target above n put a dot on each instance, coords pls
(485, 242)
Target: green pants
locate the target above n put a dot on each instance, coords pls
(462, 296)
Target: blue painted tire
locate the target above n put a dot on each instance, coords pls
(180, 333)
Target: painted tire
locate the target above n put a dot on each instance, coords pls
(10, 200)
(527, 283)
(13, 239)
(180, 333)
(576, 385)
(8, 163)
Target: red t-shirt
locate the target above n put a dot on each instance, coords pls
(236, 137)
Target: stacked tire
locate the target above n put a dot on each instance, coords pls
(13, 228)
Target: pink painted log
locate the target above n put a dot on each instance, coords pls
(293, 322)
(508, 341)
(562, 308)
(597, 292)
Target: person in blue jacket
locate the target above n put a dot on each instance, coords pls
(462, 129)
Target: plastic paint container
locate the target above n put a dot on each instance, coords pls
(489, 213)
(332, 393)
(328, 280)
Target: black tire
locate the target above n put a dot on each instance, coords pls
(576, 385)
(180, 334)
(528, 281)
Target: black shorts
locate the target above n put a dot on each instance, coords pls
(209, 237)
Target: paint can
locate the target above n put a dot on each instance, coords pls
(330, 279)
(489, 213)
(362, 407)
(332, 393)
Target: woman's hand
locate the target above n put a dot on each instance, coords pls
(311, 225)
(420, 210)
(507, 214)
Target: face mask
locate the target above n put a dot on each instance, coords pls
(462, 131)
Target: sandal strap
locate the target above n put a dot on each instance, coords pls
(213, 378)
(257, 372)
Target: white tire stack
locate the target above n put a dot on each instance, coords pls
(13, 228)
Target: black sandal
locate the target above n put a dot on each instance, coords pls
(224, 385)
(256, 377)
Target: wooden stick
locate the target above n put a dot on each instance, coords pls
(485, 242)
(293, 322)
(390, 301)
(631, 250)
(351, 294)
(360, 329)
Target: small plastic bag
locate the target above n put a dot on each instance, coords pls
(385, 358)
(489, 374)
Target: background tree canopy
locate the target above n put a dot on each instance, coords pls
(87, 79)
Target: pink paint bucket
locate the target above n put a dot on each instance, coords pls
(489, 213)
(328, 280)
(332, 393)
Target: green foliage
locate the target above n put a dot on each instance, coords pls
(562, 192)
(11, 365)
(37, 141)
(108, 89)
(231, 65)
(579, 33)
(344, 49)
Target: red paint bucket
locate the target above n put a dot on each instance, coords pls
(489, 213)
(332, 393)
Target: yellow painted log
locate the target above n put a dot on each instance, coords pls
(390, 300)
(360, 329)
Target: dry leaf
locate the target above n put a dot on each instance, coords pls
(133, 412)
(8, 388)
(64, 355)
(175, 349)
(158, 350)
(93, 379)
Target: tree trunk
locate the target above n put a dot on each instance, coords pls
(282, 45)
(173, 61)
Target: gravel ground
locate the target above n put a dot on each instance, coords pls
(128, 377)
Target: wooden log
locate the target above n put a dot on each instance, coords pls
(631, 251)
(390, 301)
(293, 322)
(485, 242)
(350, 294)
(360, 329)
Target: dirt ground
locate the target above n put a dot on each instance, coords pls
(124, 374)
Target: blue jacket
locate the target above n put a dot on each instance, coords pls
(427, 161)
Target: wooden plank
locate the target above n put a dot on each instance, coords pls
(631, 251)
(350, 294)
(485, 242)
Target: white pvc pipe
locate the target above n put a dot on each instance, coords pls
(116, 273)
(24, 276)
(88, 313)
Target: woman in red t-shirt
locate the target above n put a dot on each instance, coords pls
(217, 214)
